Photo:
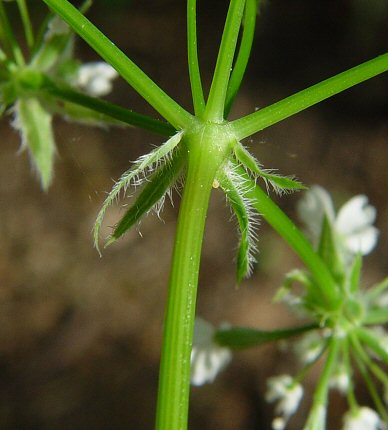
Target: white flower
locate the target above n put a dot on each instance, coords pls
(309, 348)
(207, 357)
(352, 225)
(96, 78)
(363, 419)
(56, 26)
(340, 380)
(288, 394)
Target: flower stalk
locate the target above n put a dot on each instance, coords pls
(205, 154)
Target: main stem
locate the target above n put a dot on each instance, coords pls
(174, 380)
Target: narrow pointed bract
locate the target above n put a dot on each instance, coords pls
(34, 124)
(235, 188)
(280, 184)
(152, 195)
(143, 167)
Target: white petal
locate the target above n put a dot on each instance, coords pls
(363, 241)
(208, 359)
(315, 203)
(355, 215)
(363, 419)
(55, 27)
(96, 78)
(286, 393)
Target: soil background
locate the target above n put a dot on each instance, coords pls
(79, 334)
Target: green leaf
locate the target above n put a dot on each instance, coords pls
(151, 196)
(242, 338)
(355, 273)
(280, 184)
(327, 250)
(246, 158)
(234, 188)
(7, 96)
(376, 316)
(144, 165)
(34, 124)
(374, 341)
(377, 290)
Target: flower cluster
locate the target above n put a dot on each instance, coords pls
(352, 226)
(26, 89)
(346, 337)
(347, 332)
(287, 393)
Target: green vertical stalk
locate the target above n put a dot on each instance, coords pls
(26, 22)
(243, 55)
(174, 382)
(8, 38)
(192, 56)
(317, 417)
(205, 156)
(216, 101)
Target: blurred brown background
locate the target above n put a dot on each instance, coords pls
(79, 335)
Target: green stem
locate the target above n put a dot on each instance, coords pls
(378, 316)
(373, 342)
(320, 398)
(119, 113)
(8, 38)
(173, 395)
(291, 234)
(216, 101)
(263, 118)
(146, 87)
(26, 22)
(362, 361)
(377, 290)
(243, 54)
(350, 395)
(192, 53)
(374, 368)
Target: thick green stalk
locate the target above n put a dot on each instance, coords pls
(263, 118)
(206, 150)
(192, 56)
(216, 101)
(146, 87)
